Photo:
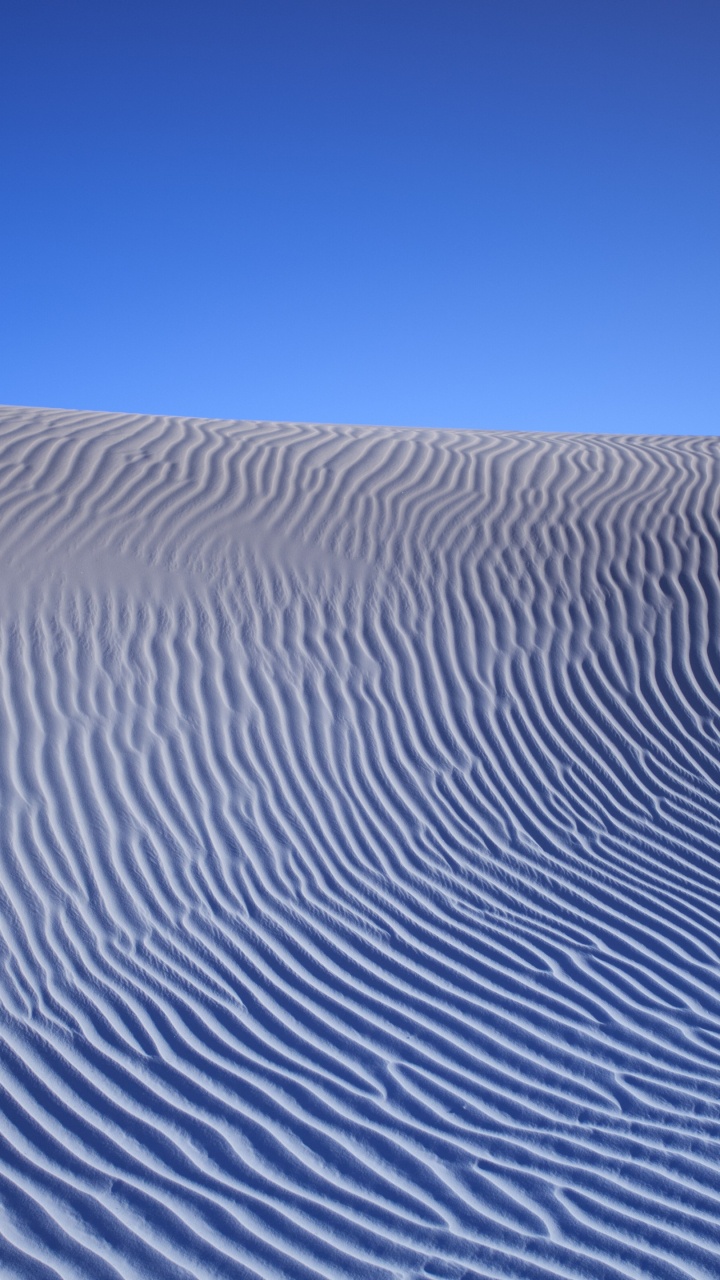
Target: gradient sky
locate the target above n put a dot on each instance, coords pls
(500, 214)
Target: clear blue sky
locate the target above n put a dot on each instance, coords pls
(501, 214)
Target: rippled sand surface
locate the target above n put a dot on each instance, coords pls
(359, 853)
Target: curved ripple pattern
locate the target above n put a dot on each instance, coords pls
(359, 885)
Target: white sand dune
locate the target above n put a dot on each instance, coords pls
(359, 854)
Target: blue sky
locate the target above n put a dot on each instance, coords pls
(499, 214)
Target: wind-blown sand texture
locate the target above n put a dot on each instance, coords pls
(359, 854)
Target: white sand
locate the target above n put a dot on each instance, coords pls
(359, 852)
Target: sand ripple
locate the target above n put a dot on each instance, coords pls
(359, 887)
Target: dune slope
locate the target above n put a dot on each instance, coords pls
(359, 853)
